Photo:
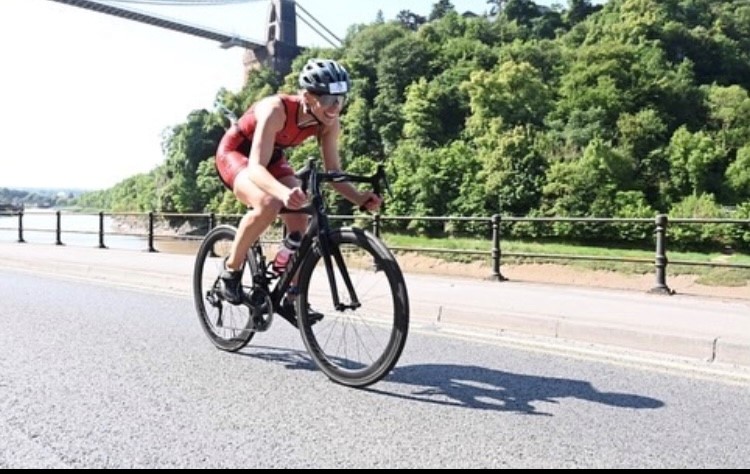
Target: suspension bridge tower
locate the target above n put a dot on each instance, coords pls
(281, 40)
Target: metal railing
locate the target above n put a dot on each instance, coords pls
(152, 226)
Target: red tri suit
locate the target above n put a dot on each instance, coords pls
(234, 148)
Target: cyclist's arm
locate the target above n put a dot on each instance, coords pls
(332, 161)
(270, 116)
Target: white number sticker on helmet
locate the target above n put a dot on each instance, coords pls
(338, 88)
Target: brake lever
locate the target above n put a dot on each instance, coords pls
(376, 186)
(387, 186)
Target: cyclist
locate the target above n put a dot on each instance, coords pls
(251, 162)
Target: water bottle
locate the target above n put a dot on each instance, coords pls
(289, 245)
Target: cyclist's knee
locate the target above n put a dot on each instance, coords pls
(266, 210)
(268, 204)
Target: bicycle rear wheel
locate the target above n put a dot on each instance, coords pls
(359, 342)
(226, 325)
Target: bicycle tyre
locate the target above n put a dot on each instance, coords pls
(378, 281)
(226, 325)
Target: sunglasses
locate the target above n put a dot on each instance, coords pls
(327, 100)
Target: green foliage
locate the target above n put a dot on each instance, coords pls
(16, 199)
(738, 174)
(429, 182)
(187, 146)
(434, 112)
(640, 138)
(514, 92)
(513, 171)
(729, 114)
(440, 9)
(691, 236)
(740, 233)
(696, 163)
(404, 61)
(588, 186)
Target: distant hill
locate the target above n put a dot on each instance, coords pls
(37, 197)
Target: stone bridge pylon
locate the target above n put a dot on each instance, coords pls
(281, 40)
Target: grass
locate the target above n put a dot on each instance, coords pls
(707, 275)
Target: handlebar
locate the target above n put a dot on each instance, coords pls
(378, 181)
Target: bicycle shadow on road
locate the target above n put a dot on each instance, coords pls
(292, 359)
(488, 389)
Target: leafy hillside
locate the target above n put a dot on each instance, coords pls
(37, 197)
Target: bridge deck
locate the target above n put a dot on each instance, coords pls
(223, 38)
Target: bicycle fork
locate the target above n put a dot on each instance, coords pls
(327, 251)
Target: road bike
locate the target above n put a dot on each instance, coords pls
(345, 274)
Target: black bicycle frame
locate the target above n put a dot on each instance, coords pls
(318, 230)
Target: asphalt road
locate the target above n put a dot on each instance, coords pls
(96, 376)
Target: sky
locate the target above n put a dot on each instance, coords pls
(85, 97)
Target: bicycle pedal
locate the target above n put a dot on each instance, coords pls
(261, 310)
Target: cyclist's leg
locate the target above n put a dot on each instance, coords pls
(293, 222)
(229, 327)
(264, 209)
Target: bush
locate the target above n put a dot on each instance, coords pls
(688, 236)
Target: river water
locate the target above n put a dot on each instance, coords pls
(82, 230)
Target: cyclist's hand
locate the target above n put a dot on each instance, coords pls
(295, 199)
(370, 201)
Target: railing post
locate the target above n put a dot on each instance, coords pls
(58, 232)
(20, 228)
(376, 224)
(211, 221)
(496, 253)
(151, 232)
(101, 231)
(660, 263)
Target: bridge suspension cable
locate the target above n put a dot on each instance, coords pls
(304, 20)
(198, 3)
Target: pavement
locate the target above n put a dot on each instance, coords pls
(703, 333)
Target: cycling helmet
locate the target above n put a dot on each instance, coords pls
(324, 76)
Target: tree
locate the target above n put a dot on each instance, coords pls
(588, 186)
(641, 137)
(729, 114)
(513, 172)
(440, 9)
(363, 55)
(695, 163)
(513, 92)
(186, 147)
(359, 137)
(521, 11)
(430, 182)
(435, 111)
(410, 20)
(738, 175)
(579, 10)
(404, 61)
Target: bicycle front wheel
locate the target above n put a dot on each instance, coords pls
(226, 325)
(359, 340)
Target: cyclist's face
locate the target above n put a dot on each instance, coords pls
(326, 108)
